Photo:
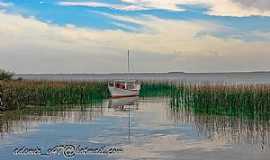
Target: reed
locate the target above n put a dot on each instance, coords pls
(239, 100)
(18, 94)
(156, 89)
(247, 101)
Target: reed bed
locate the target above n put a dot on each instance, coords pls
(248, 101)
(241, 100)
(18, 94)
(156, 89)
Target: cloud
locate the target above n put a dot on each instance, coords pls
(263, 5)
(238, 8)
(105, 5)
(160, 4)
(235, 8)
(4, 5)
(31, 46)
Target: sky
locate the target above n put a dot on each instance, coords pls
(93, 36)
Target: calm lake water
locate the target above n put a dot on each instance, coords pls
(138, 128)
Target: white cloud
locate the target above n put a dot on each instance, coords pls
(160, 4)
(133, 5)
(4, 5)
(237, 8)
(105, 5)
(29, 45)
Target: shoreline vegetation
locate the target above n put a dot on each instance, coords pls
(239, 100)
(235, 100)
(16, 94)
(5, 75)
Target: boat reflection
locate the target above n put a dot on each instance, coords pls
(124, 104)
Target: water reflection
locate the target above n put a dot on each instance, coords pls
(226, 129)
(124, 104)
(19, 122)
(146, 127)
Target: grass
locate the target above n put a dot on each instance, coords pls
(18, 94)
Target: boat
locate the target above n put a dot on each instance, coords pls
(124, 88)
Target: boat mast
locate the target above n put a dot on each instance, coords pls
(129, 124)
(128, 62)
(129, 118)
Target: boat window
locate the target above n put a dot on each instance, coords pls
(120, 85)
(130, 85)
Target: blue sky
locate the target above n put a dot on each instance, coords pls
(51, 11)
(227, 24)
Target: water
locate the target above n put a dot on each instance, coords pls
(143, 128)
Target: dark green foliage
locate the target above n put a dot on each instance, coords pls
(4, 75)
(156, 89)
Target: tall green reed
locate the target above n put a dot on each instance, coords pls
(245, 100)
(249, 101)
(18, 94)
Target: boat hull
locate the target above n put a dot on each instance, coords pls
(119, 93)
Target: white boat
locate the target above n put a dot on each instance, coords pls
(124, 88)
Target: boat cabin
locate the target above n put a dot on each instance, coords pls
(124, 84)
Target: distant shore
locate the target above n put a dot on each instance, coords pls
(144, 73)
(228, 77)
